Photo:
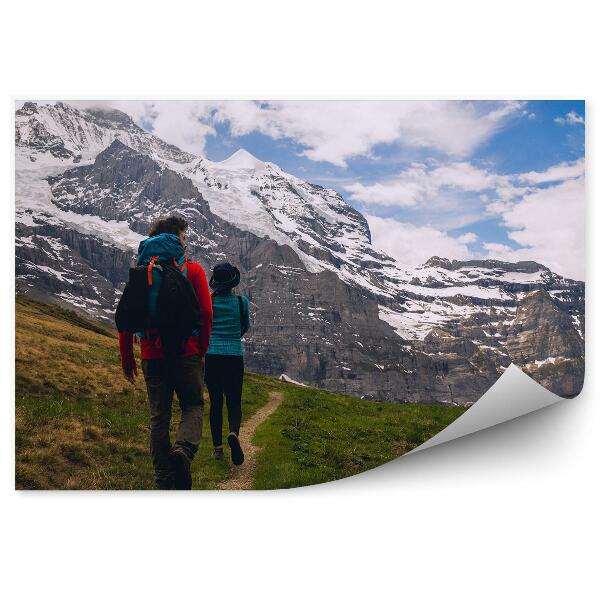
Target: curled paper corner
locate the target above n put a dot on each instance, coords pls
(513, 395)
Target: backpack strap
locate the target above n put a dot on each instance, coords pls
(183, 266)
(150, 267)
(241, 305)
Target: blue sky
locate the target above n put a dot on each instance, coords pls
(525, 144)
(476, 179)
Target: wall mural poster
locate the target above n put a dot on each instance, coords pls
(273, 294)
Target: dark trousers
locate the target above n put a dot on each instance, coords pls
(224, 376)
(184, 376)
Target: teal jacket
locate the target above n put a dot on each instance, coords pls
(227, 330)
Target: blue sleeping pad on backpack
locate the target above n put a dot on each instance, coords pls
(167, 247)
(144, 304)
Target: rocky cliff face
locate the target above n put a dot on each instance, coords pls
(329, 310)
(544, 342)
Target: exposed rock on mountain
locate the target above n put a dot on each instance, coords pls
(329, 309)
(540, 328)
(70, 135)
(543, 341)
(120, 184)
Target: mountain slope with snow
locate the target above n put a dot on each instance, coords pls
(89, 183)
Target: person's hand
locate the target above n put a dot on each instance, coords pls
(130, 373)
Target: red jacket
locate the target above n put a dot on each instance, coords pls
(195, 344)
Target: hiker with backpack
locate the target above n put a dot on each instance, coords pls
(224, 374)
(167, 305)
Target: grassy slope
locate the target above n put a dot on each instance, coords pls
(317, 436)
(80, 425)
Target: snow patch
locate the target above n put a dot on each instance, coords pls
(34, 203)
(286, 379)
(241, 159)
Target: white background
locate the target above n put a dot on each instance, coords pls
(507, 513)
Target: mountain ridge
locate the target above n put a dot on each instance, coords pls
(81, 216)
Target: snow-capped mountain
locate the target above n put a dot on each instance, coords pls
(330, 309)
(69, 135)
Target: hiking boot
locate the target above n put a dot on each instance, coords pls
(218, 453)
(183, 471)
(237, 454)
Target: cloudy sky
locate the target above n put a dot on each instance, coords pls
(457, 179)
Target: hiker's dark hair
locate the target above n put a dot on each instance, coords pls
(172, 224)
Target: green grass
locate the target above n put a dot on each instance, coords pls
(315, 436)
(80, 425)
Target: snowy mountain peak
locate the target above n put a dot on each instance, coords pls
(112, 116)
(242, 159)
(331, 309)
(62, 134)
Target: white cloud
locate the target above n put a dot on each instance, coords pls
(463, 175)
(467, 238)
(406, 190)
(496, 250)
(498, 207)
(334, 131)
(546, 223)
(185, 124)
(571, 118)
(549, 225)
(421, 183)
(330, 131)
(560, 172)
(180, 123)
(412, 245)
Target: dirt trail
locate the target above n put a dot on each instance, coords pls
(242, 477)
